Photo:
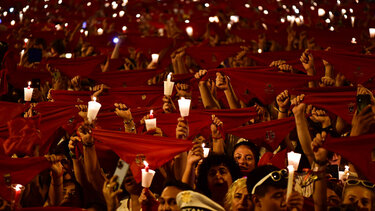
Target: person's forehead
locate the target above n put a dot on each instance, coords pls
(215, 168)
(243, 149)
(358, 191)
(170, 192)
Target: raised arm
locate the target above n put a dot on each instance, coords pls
(218, 145)
(307, 60)
(209, 101)
(223, 83)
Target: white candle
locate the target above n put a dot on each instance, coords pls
(100, 31)
(189, 31)
(206, 150)
(168, 85)
(354, 41)
(352, 20)
(184, 105)
(321, 12)
(293, 159)
(372, 32)
(155, 57)
(93, 109)
(151, 123)
(124, 29)
(290, 181)
(234, 18)
(147, 175)
(22, 52)
(68, 55)
(28, 92)
(21, 16)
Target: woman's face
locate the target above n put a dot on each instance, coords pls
(241, 200)
(244, 157)
(219, 178)
(358, 196)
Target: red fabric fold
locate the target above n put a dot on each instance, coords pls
(357, 68)
(21, 170)
(267, 134)
(340, 101)
(278, 159)
(362, 146)
(133, 149)
(24, 136)
(51, 209)
(211, 57)
(125, 78)
(9, 111)
(78, 66)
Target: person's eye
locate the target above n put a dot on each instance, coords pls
(365, 202)
(352, 199)
(237, 195)
(223, 171)
(278, 195)
(249, 158)
(211, 173)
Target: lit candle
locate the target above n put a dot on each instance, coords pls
(68, 55)
(155, 57)
(28, 92)
(352, 20)
(206, 150)
(17, 190)
(290, 181)
(86, 33)
(184, 105)
(124, 29)
(234, 18)
(22, 52)
(100, 31)
(372, 32)
(168, 85)
(293, 159)
(151, 123)
(260, 50)
(21, 16)
(93, 109)
(353, 41)
(321, 12)
(189, 31)
(147, 175)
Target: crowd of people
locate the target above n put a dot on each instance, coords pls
(266, 80)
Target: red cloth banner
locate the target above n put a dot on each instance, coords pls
(133, 149)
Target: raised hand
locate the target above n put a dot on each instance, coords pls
(82, 112)
(182, 130)
(320, 154)
(84, 131)
(327, 81)
(320, 116)
(307, 60)
(299, 106)
(283, 101)
(195, 154)
(277, 63)
(110, 194)
(123, 111)
(199, 75)
(222, 81)
(183, 90)
(216, 123)
(168, 105)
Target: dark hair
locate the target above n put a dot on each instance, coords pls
(178, 184)
(259, 173)
(254, 149)
(211, 161)
(41, 41)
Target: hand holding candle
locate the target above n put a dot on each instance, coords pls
(147, 175)
(93, 110)
(206, 151)
(168, 86)
(155, 57)
(17, 190)
(290, 181)
(28, 92)
(184, 105)
(151, 123)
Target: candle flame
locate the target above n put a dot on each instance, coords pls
(346, 168)
(145, 163)
(203, 145)
(151, 112)
(94, 98)
(29, 83)
(18, 187)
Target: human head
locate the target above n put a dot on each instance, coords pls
(206, 181)
(73, 194)
(238, 197)
(269, 194)
(334, 192)
(246, 155)
(168, 196)
(359, 193)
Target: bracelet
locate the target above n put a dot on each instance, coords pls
(88, 144)
(128, 122)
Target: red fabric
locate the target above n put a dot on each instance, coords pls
(126, 78)
(266, 85)
(24, 135)
(21, 170)
(132, 148)
(78, 66)
(265, 59)
(21, 76)
(277, 159)
(53, 116)
(9, 111)
(211, 57)
(362, 146)
(338, 100)
(267, 134)
(357, 68)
